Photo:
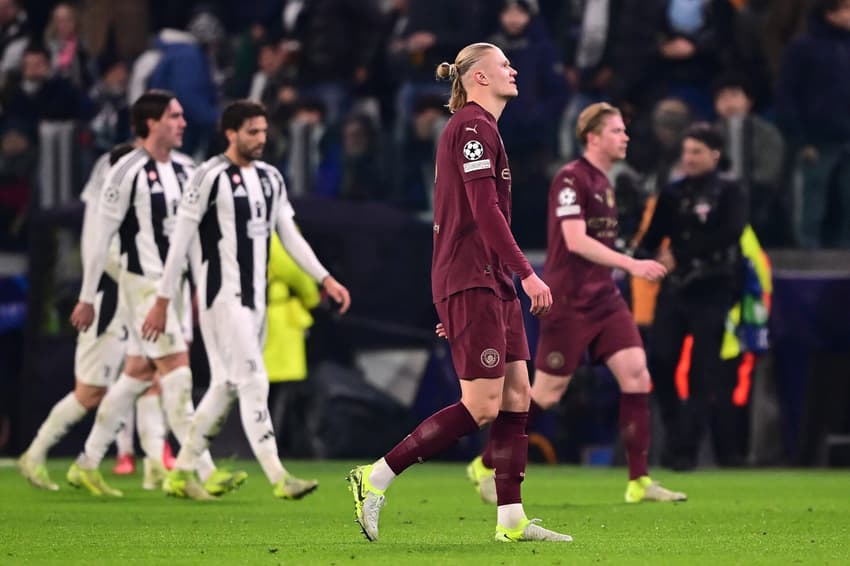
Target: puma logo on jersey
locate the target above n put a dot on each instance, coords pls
(473, 129)
(598, 197)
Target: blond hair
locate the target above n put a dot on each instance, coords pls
(466, 58)
(592, 119)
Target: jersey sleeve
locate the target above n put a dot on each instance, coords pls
(93, 187)
(568, 194)
(196, 196)
(476, 150)
(117, 191)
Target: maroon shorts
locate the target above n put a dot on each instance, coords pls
(564, 339)
(484, 332)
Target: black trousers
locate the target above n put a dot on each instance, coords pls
(711, 380)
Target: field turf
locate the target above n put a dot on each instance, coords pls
(433, 517)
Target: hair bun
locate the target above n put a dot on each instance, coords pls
(446, 71)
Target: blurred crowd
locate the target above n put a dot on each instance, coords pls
(355, 111)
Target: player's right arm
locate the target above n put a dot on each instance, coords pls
(578, 242)
(193, 206)
(570, 195)
(112, 208)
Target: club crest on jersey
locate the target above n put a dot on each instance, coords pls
(609, 196)
(490, 358)
(566, 197)
(473, 150)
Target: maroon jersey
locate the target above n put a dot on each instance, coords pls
(473, 246)
(580, 190)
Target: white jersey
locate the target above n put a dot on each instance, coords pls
(143, 194)
(233, 209)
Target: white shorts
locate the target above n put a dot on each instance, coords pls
(234, 336)
(139, 294)
(99, 356)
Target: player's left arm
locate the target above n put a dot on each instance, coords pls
(301, 252)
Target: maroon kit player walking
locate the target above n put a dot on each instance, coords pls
(588, 312)
(474, 258)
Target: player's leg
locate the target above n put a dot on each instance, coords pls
(150, 423)
(125, 460)
(474, 326)
(629, 368)
(113, 409)
(509, 438)
(556, 360)
(620, 345)
(210, 414)
(67, 412)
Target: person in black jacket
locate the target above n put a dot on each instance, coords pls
(703, 215)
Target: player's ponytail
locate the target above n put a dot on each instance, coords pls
(466, 58)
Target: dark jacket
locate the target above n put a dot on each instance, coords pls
(703, 217)
(336, 37)
(531, 118)
(813, 96)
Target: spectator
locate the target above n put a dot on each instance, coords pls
(813, 109)
(178, 62)
(115, 28)
(69, 57)
(433, 31)
(417, 186)
(338, 40)
(18, 162)
(110, 124)
(754, 148)
(529, 125)
(14, 37)
(38, 96)
(694, 42)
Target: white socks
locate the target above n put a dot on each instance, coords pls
(65, 413)
(510, 516)
(151, 426)
(209, 417)
(124, 439)
(114, 408)
(382, 475)
(257, 424)
(177, 401)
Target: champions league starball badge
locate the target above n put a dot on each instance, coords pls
(473, 150)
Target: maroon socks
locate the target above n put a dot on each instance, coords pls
(508, 446)
(434, 435)
(534, 411)
(634, 431)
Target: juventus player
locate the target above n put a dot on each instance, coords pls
(232, 203)
(139, 200)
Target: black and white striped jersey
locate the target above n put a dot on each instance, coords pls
(143, 194)
(233, 210)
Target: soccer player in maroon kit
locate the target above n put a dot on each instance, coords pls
(588, 311)
(475, 256)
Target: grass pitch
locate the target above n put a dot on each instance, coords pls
(433, 517)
